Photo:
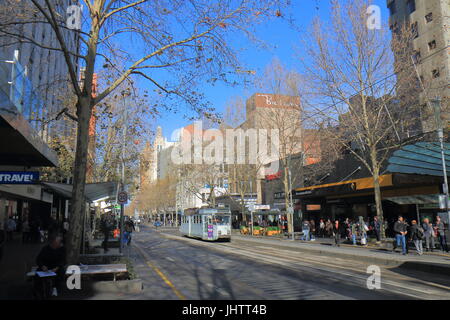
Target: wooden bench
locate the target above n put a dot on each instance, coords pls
(92, 269)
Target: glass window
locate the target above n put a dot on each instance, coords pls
(432, 45)
(411, 6)
(429, 17)
(392, 8)
(221, 220)
(436, 73)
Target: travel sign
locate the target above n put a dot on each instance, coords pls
(18, 177)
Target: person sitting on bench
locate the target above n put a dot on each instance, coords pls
(53, 258)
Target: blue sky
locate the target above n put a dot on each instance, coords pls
(284, 43)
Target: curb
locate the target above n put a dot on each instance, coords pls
(122, 286)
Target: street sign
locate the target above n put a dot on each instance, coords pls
(19, 177)
(442, 202)
(253, 207)
(122, 197)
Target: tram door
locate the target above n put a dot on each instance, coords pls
(208, 231)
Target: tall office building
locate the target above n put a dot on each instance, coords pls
(430, 22)
(46, 69)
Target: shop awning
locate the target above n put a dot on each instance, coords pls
(420, 158)
(417, 199)
(92, 192)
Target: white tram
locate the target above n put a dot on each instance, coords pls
(207, 223)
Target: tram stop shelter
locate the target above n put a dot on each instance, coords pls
(261, 213)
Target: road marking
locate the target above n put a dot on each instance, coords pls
(162, 276)
(170, 259)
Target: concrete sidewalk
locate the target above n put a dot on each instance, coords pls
(17, 261)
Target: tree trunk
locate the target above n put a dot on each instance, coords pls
(78, 204)
(377, 192)
(287, 200)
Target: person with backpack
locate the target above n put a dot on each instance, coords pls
(417, 236)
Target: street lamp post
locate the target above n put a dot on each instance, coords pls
(122, 206)
(437, 113)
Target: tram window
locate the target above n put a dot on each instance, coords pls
(221, 220)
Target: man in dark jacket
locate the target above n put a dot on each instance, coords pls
(338, 229)
(53, 258)
(400, 229)
(129, 228)
(105, 228)
(440, 230)
(417, 236)
(376, 225)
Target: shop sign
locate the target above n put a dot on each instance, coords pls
(18, 177)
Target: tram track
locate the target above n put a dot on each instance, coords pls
(342, 270)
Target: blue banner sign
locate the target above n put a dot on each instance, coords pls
(18, 177)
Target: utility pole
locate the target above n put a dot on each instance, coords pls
(291, 208)
(125, 93)
(437, 114)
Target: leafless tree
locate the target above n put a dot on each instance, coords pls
(189, 39)
(353, 85)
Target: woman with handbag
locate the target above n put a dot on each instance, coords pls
(363, 231)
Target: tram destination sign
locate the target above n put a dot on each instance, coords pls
(19, 177)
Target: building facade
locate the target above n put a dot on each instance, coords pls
(430, 24)
(45, 69)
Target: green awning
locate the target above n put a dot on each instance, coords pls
(420, 158)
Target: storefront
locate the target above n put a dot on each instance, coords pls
(354, 198)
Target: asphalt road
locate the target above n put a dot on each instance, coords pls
(176, 267)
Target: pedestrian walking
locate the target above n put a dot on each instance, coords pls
(337, 230)
(129, 228)
(312, 230)
(306, 229)
(417, 236)
(400, 229)
(10, 228)
(353, 231)
(429, 236)
(363, 231)
(329, 228)
(105, 228)
(376, 227)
